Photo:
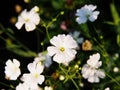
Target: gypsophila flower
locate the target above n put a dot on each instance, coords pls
(24, 86)
(107, 88)
(48, 88)
(63, 49)
(115, 69)
(12, 70)
(90, 70)
(76, 36)
(86, 13)
(61, 77)
(44, 58)
(34, 78)
(29, 18)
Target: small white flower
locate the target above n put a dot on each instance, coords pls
(86, 13)
(30, 19)
(24, 86)
(107, 88)
(34, 77)
(76, 36)
(12, 69)
(63, 49)
(48, 88)
(90, 70)
(115, 69)
(44, 58)
(62, 77)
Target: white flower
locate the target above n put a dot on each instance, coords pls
(44, 58)
(76, 36)
(24, 86)
(30, 19)
(12, 69)
(107, 88)
(115, 69)
(48, 88)
(62, 77)
(86, 13)
(90, 70)
(34, 77)
(63, 49)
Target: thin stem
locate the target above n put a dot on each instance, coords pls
(7, 85)
(69, 77)
(113, 79)
(47, 33)
(75, 83)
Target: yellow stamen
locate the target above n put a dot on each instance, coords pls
(62, 49)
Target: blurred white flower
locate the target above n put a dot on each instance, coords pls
(115, 69)
(48, 88)
(90, 70)
(62, 77)
(30, 19)
(107, 88)
(24, 86)
(86, 13)
(12, 70)
(76, 36)
(43, 58)
(34, 78)
(63, 49)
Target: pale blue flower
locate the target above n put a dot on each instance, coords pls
(86, 13)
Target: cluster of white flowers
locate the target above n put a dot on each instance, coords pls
(86, 13)
(63, 50)
(91, 70)
(30, 19)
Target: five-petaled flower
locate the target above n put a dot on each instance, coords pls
(34, 78)
(86, 13)
(91, 70)
(29, 18)
(12, 70)
(63, 49)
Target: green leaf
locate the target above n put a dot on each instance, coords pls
(118, 40)
(115, 14)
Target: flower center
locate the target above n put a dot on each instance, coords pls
(87, 15)
(36, 75)
(62, 49)
(26, 19)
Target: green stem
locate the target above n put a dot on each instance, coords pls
(69, 77)
(7, 85)
(113, 79)
(47, 33)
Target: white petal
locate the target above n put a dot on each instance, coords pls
(91, 79)
(19, 25)
(41, 79)
(35, 19)
(59, 58)
(94, 16)
(81, 20)
(57, 40)
(52, 50)
(69, 42)
(16, 62)
(30, 26)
